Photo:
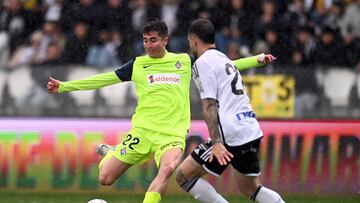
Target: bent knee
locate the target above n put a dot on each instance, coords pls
(167, 171)
(105, 179)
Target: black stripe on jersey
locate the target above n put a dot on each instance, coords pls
(219, 123)
(125, 71)
(193, 59)
(220, 129)
(195, 71)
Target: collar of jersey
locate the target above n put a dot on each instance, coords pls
(166, 53)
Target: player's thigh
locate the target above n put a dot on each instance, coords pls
(113, 168)
(168, 149)
(169, 160)
(246, 163)
(246, 160)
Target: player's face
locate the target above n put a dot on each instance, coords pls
(192, 44)
(154, 44)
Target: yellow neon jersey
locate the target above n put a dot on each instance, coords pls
(162, 85)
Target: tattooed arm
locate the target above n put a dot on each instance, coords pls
(210, 114)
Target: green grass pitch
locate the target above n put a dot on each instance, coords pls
(29, 197)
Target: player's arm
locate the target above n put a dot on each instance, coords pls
(89, 83)
(210, 114)
(254, 61)
(97, 81)
(206, 82)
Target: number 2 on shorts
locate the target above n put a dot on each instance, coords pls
(133, 141)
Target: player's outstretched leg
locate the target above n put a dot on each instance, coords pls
(251, 187)
(103, 149)
(168, 163)
(110, 167)
(188, 176)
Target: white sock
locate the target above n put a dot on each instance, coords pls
(266, 195)
(204, 192)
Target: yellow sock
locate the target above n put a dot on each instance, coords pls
(106, 157)
(152, 197)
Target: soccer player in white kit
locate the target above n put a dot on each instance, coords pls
(234, 131)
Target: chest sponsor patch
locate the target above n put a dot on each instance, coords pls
(164, 78)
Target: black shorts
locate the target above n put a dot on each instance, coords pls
(245, 158)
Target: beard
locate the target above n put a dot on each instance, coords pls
(194, 52)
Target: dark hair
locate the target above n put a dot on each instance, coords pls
(156, 26)
(328, 30)
(204, 29)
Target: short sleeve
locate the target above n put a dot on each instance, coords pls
(205, 80)
(125, 71)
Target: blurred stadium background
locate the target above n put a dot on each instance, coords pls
(308, 101)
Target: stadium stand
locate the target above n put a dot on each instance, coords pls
(20, 84)
(118, 97)
(2, 85)
(358, 85)
(83, 99)
(306, 36)
(338, 83)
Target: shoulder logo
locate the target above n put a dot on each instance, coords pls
(147, 66)
(178, 65)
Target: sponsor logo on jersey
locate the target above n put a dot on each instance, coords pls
(147, 66)
(164, 78)
(171, 144)
(178, 65)
(244, 115)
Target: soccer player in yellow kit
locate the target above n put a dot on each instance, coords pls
(162, 117)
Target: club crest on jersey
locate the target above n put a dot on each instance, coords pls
(123, 151)
(163, 78)
(178, 65)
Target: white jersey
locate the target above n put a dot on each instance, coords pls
(216, 77)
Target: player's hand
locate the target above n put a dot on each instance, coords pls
(220, 153)
(266, 59)
(53, 85)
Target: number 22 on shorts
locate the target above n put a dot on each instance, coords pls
(131, 141)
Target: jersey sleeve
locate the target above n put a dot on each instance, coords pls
(247, 63)
(89, 83)
(125, 71)
(205, 80)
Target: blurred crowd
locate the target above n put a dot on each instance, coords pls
(303, 34)
(106, 33)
